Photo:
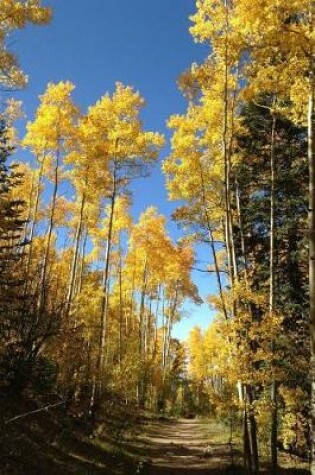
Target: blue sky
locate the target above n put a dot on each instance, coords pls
(142, 43)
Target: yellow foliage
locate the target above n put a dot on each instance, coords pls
(15, 15)
(54, 122)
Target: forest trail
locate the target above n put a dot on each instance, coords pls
(186, 447)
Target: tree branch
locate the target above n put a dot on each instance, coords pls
(41, 409)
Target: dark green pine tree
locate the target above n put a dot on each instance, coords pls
(11, 223)
(24, 328)
(290, 223)
(11, 258)
(291, 184)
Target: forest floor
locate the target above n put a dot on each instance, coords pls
(50, 443)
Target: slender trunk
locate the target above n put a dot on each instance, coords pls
(80, 279)
(242, 233)
(147, 326)
(42, 295)
(77, 241)
(120, 306)
(132, 298)
(229, 152)
(104, 303)
(126, 318)
(164, 334)
(246, 444)
(33, 220)
(311, 225)
(226, 151)
(229, 234)
(141, 312)
(212, 242)
(252, 430)
(142, 355)
(29, 207)
(274, 402)
(62, 298)
(168, 339)
(250, 437)
(227, 171)
(161, 399)
(173, 307)
(156, 323)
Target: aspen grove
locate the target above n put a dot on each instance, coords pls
(91, 291)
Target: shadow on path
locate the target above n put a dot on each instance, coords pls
(182, 446)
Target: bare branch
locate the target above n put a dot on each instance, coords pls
(41, 409)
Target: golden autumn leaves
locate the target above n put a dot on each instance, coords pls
(108, 273)
(87, 147)
(259, 49)
(15, 15)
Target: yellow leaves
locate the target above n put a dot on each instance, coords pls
(55, 119)
(87, 305)
(210, 15)
(299, 93)
(152, 252)
(293, 397)
(195, 169)
(279, 38)
(211, 365)
(149, 245)
(121, 221)
(244, 294)
(276, 39)
(243, 348)
(16, 15)
(117, 132)
(182, 167)
(213, 24)
(197, 361)
(254, 348)
(294, 422)
(122, 218)
(62, 211)
(58, 95)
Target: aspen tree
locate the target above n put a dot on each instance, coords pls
(88, 179)
(123, 148)
(283, 47)
(48, 135)
(155, 262)
(214, 24)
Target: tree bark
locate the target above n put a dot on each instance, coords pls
(77, 241)
(142, 336)
(274, 386)
(104, 302)
(121, 344)
(212, 243)
(311, 225)
(42, 295)
(246, 444)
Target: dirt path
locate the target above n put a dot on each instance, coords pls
(185, 447)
